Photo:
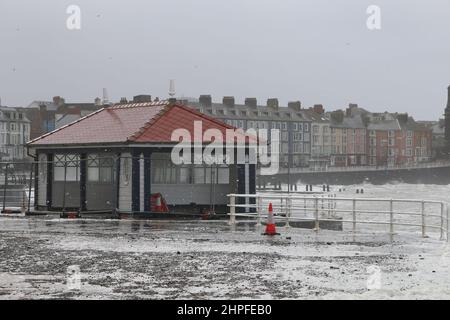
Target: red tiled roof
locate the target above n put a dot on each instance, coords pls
(149, 122)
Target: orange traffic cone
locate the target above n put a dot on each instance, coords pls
(270, 226)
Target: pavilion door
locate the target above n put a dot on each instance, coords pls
(100, 179)
(66, 181)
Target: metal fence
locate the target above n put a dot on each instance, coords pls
(357, 215)
(16, 186)
(420, 165)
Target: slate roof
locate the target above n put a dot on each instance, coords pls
(384, 125)
(263, 113)
(355, 122)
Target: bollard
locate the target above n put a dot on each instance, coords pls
(323, 188)
(306, 188)
(328, 188)
(310, 187)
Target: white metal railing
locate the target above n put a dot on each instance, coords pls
(425, 216)
(424, 165)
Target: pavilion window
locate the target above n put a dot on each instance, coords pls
(100, 168)
(164, 172)
(199, 174)
(223, 175)
(185, 175)
(72, 163)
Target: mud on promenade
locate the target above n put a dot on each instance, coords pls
(128, 259)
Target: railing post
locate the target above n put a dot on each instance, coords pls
(442, 221)
(30, 186)
(281, 205)
(354, 216)
(5, 185)
(22, 208)
(64, 188)
(391, 219)
(423, 219)
(447, 222)
(259, 204)
(288, 211)
(334, 206)
(116, 180)
(328, 206)
(232, 210)
(321, 204)
(316, 213)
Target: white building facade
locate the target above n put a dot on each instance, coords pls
(14, 134)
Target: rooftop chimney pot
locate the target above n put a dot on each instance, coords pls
(58, 101)
(228, 101)
(123, 100)
(273, 103)
(251, 102)
(205, 100)
(318, 108)
(142, 98)
(295, 105)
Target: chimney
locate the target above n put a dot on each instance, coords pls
(142, 98)
(318, 108)
(351, 106)
(58, 101)
(337, 116)
(123, 100)
(447, 124)
(228, 101)
(251, 102)
(448, 99)
(272, 103)
(205, 100)
(295, 105)
(402, 117)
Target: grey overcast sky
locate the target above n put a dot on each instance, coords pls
(316, 51)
